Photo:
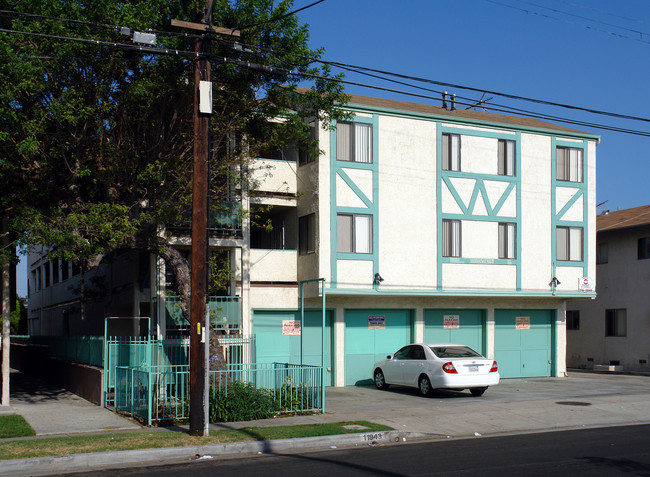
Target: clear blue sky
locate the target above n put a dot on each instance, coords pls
(541, 53)
(542, 49)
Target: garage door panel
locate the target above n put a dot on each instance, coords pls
(365, 344)
(533, 342)
(470, 331)
(272, 346)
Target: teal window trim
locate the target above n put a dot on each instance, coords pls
(582, 192)
(337, 169)
(445, 177)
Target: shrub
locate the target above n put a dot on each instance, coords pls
(240, 402)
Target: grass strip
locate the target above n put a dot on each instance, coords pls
(14, 425)
(53, 446)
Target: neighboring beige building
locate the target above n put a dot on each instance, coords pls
(612, 332)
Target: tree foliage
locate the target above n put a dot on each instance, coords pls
(96, 136)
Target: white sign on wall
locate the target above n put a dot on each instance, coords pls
(376, 322)
(290, 327)
(451, 322)
(522, 322)
(585, 284)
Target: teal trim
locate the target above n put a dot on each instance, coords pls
(492, 211)
(455, 194)
(337, 169)
(467, 292)
(352, 107)
(582, 192)
(481, 261)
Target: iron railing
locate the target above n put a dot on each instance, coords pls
(159, 393)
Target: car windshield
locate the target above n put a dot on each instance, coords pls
(454, 352)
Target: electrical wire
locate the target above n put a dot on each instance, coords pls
(301, 75)
(281, 17)
(532, 12)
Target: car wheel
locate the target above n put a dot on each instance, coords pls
(380, 381)
(424, 385)
(477, 391)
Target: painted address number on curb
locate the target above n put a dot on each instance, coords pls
(373, 437)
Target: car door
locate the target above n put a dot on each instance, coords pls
(413, 366)
(393, 368)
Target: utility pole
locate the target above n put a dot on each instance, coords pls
(199, 335)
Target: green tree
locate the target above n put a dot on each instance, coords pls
(96, 137)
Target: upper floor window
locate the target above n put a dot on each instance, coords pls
(573, 319)
(354, 142)
(451, 238)
(569, 243)
(354, 233)
(507, 240)
(602, 253)
(507, 162)
(305, 153)
(616, 322)
(307, 234)
(569, 164)
(450, 152)
(644, 248)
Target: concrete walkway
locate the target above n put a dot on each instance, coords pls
(515, 406)
(51, 410)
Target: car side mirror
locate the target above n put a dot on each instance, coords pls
(389, 357)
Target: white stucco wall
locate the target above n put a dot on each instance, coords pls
(407, 198)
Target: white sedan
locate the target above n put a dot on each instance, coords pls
(429, 366)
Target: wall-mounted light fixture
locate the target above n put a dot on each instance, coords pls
(378, 279)
(554, 282)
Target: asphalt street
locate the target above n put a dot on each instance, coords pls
(606, 452)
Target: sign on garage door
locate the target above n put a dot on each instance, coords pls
(455, 326)
(523, 343)
(370, 335)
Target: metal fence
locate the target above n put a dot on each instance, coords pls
(167, 353)
(76, 349)
(158, 393)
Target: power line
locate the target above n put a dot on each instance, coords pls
(589, 27)
(274, 70)
(281, 17)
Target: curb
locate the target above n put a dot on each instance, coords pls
(121, 459)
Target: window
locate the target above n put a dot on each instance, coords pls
(644, 248)
(602, 253)
(507, 161)
(507, 240)
(569, 164)
(450, 152)
(569, 243)
(46, 274)
(616, 322)
(354, 233)
(305, 155)
(573, 319)
(307, 234)
(354, 142)
(55, 270)
(65, 272)
(451, 240)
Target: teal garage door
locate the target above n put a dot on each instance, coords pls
(455, 326)
(370, 335)
(523, 342)
(276, 341)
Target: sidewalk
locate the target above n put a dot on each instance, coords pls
(515, 406)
